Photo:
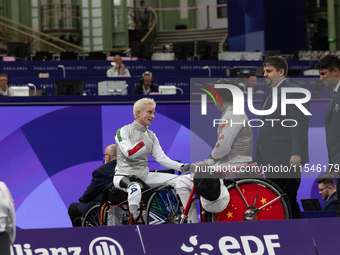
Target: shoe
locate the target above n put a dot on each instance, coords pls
(132, 220)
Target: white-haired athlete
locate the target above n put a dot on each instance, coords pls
(135, 142)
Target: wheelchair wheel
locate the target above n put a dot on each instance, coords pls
(115, 216)
(162, 208)
(255, 199)
(92, 217)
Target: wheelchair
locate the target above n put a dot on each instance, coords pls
(251, 199)
(158, 206)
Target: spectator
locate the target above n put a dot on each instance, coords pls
(240, 82)
(118, 68)
(291, 80)
(327, 189)
(101, 178)
(7, 219)
(146, 85)
(252, 82)
(144, 16)
(4, 85)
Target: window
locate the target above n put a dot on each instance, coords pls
(222, 11)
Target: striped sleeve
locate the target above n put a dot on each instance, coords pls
(129, 150)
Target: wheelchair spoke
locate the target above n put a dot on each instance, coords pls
(218, 217)
(244, 200)
(162, 208)
(270, 202)
(255, 199)
(172, 210)
(91, 218)
(265, 193)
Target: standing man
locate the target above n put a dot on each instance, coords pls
(118, 68)
(329, 70)
(279, 145)
(146, 85)
(3, 85)
(101, 178)
(328, 192)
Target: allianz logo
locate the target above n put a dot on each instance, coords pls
(98, 246)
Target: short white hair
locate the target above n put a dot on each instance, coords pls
(140, 105)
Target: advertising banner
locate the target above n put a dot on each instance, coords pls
(246, 238)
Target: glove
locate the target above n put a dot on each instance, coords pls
(185, 168)
(188, 168)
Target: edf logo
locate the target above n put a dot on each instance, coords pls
(105, 246)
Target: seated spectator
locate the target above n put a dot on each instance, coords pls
(101, 178)
(327, 189)
(240, 82)
(118, 68)
(146, 85)
(3, 85)
(252, 82)
(7, 220)
(291, 80)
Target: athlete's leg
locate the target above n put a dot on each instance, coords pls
(184, 186)
(134, 192)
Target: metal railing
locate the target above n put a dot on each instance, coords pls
(153, 22)
(223, 44)
(144, 20)
(60, 17)
(11, 31)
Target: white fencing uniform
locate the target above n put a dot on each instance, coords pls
(7, 212)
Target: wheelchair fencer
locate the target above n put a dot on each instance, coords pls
(248, 198)
(244, 199)
(159, 205)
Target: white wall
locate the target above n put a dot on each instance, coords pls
(201, 16)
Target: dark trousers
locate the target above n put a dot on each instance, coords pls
(75, 215)
(4, 243)
(290, 187)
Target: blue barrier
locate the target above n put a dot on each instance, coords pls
(261, 237)
(91, 83)
(183, 83)
(318, 214)
(158, 68)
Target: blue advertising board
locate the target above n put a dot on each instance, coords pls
(241, 238)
